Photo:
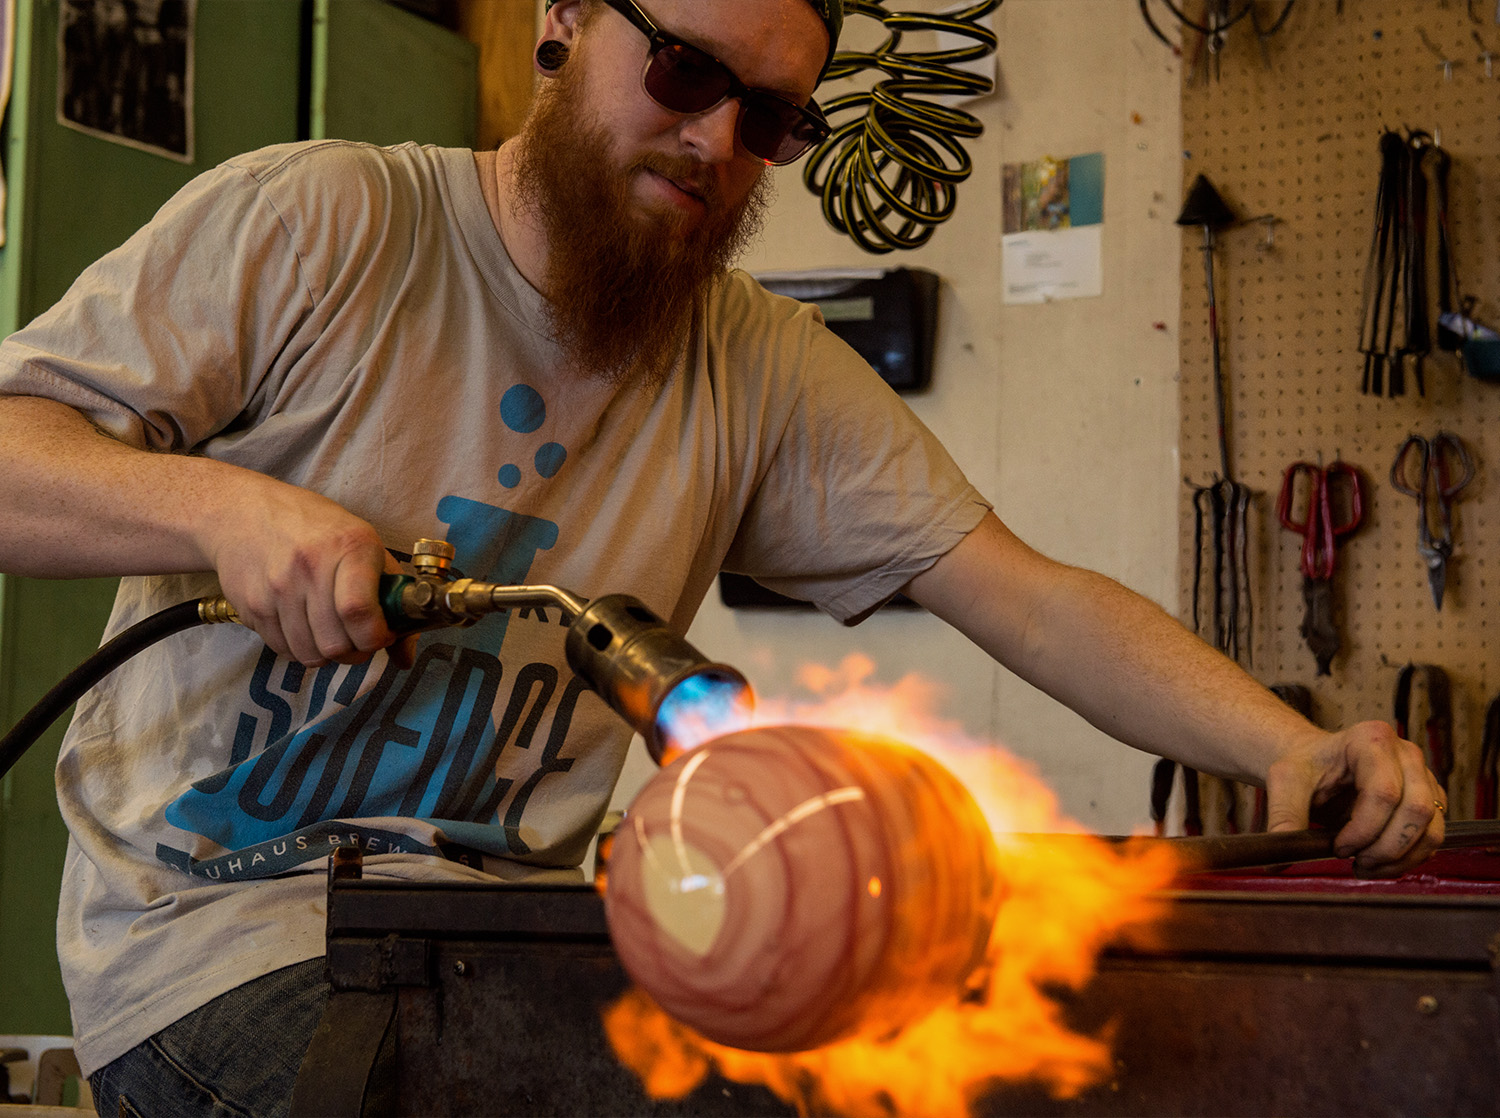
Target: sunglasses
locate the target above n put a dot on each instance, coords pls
(684, 79)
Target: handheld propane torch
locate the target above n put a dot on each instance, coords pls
(621, 649)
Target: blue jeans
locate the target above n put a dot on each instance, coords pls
(236, 1057)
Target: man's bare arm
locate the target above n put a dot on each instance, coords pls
(300, 569)
(1138, 675)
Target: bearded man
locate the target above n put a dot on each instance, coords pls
(318, 352)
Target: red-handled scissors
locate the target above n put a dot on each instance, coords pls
(1318, 525)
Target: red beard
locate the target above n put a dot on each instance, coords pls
(623, 288)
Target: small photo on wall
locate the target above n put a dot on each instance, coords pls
(1051, 244)
(125, 72)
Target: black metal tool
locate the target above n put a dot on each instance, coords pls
(1221, 508)
(1381, 285)
(1226, 501)
(1395, 329)
(1218, 17)
(1450, 291)
(1418, 341)
(1206, 209)
(1275, 848)
(1162, 775)
(1437, 727)
(1434, 472)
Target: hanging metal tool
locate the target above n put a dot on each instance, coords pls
(1437, 727)
(1418, 343)
(1457, 330)
(1395, 294)
(1434, 472)
(1225, 502)
(1450, 335)
(1218, 17)
(1321, 526)
(1163, 773)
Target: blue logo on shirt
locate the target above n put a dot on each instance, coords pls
(423, 743)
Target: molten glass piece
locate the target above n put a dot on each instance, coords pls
(1063, 902)
(780, 888)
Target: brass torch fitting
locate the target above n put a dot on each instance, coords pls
(432, 599)
(216, 610)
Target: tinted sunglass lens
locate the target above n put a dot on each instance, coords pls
(766, 130)
(686, 80)
(775, 130)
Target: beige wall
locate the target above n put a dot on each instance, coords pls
(1065, 415)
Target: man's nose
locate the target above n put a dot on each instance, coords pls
(711, 133)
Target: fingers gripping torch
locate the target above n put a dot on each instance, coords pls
(622, 650)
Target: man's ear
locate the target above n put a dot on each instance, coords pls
(561, 21)
(559, 30)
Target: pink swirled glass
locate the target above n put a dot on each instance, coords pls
(780, 888)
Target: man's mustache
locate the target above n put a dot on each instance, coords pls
(687, 173)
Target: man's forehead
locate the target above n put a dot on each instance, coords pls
(831, 12)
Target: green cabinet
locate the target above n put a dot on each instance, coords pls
(265, 71)
(385, 76)
(46, 630)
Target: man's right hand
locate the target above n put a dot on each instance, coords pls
(300, 569)
(304, 573)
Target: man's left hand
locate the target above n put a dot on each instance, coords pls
(1399, 806)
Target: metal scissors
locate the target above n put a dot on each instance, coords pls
(1434, 471)
(1320, 528)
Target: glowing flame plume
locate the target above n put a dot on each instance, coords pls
(1062, 902)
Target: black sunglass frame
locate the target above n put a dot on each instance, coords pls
(810, 115)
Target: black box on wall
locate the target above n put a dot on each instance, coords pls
(889, 316)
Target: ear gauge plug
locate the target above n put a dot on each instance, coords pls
(551, 54)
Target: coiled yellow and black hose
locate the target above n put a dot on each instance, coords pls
(888, 175)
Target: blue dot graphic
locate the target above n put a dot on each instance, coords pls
(550, 459)
(510, 476)
(523, 409)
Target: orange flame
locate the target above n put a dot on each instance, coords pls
(1064, 900)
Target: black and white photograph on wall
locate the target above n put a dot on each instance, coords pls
(125, 72)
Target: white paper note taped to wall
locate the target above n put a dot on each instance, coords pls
(1053, 264)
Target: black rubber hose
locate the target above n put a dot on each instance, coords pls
(888, 174)
(143, 634)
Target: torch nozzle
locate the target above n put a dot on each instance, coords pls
(668, 691)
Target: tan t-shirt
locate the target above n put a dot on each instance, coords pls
(345, 318)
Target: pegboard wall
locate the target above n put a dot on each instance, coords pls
(1298, 140)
